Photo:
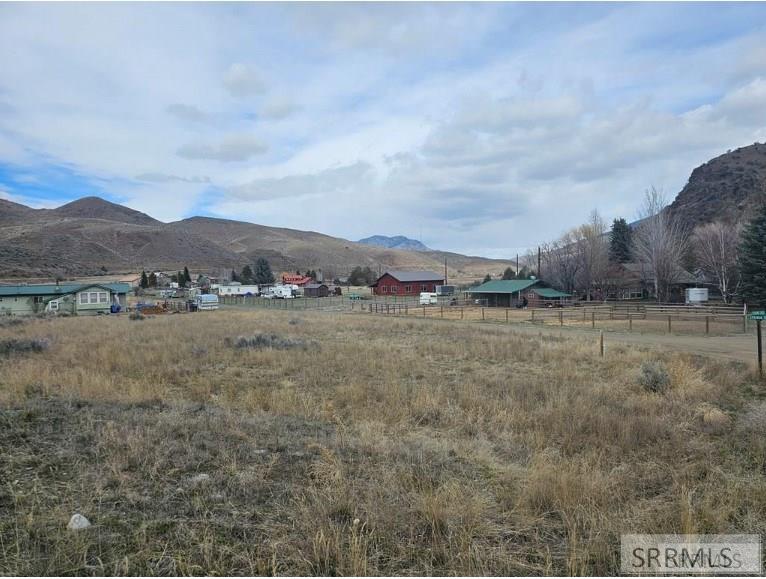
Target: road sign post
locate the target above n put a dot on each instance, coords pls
(759, 316)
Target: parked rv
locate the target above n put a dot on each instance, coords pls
(207, 302)
(428, 299)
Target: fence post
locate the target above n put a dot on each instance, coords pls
(601, 342)
(670, 326)
(506, 315)
(593, 319)
(405, 310)
(441, 312)
(461, 313)
(744, 324)
(533, 314)
(707, 325)
(630, 322)
(424, 311)
(482, 314)
(561, 317)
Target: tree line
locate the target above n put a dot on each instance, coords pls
(590, 259)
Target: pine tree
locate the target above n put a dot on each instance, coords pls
(246, 276)
(752, 262)
(509, 273)
(620, 242)
(152, 279)
(187, 277)
(487, 278)
(234, 276)
(144, 283)
(263, 274)
(181, 279)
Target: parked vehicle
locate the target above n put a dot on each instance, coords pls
(428, 299)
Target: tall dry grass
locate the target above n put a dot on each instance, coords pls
(389, 446)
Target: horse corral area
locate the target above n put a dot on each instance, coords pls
(718, 320)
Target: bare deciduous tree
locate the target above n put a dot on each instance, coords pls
(715, 249)
(660, 242)
(561, 261)
(593, 253)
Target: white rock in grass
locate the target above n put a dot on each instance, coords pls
(78, 523)
(199, 479)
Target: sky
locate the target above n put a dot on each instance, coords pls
(478, 128)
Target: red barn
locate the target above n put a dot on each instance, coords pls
(295, 279)
(406, 283)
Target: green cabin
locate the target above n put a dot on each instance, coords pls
(70, 298)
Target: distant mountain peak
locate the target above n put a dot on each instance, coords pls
(394, 242)
(98, 208)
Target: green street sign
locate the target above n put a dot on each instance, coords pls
(760, 315)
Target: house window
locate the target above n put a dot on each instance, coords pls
(408, 289)
(103, 297)
(54, 305)
(384, 289)
(394, 289)
(423, 287)
(83, 298)
(38, 299)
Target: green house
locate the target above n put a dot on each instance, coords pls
(71, 298)
(512, 292)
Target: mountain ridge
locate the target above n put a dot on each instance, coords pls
(90, 236)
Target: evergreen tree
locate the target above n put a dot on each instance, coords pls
(509, 273)
(187, 277)
(234, 276)
(621, 241)
(181, 279)
(524, 273)
(152, 280)
(144, 283)
(246, 276)
(263, 274)
(752, 262)
(487, 278)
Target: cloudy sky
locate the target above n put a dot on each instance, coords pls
(479, 128)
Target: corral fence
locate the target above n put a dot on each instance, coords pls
(654, 318)
(718, 319)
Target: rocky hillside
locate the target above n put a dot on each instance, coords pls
(726, 188)
(92, 236)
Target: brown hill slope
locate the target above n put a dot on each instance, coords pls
(97, 208)
(91, 235)
(725, 188)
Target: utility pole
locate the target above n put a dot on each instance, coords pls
(445, 271)
(539, 263)
(517, 263)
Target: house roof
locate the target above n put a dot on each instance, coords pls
(60, 289)
(503, 286)
(547, 292)
(314, 285)
(405, 276)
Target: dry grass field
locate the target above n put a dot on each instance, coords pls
(352, 444)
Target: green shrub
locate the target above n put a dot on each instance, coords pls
(654, 376)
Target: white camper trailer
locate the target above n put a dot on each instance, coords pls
(207, 302)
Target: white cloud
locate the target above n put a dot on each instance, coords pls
(242, 81)
(232, 148)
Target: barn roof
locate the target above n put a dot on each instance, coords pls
(61, 289)
(414, 275)
(503, 286)
(547, 292)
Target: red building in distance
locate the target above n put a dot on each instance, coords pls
(406, 283)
